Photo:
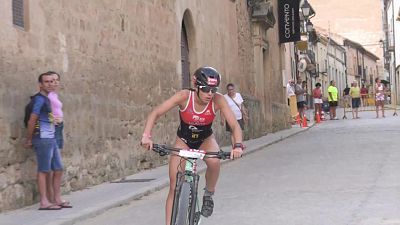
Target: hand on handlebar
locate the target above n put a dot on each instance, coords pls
(146, 143)
(236, 153)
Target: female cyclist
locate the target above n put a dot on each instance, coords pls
(197, 110)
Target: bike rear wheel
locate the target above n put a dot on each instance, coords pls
(181, 204)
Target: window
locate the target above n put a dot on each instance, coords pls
(20, 13)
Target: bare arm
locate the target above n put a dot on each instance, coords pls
(222, 118)
(160, 110)
(31, 127)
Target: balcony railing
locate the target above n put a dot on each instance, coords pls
(262, 12)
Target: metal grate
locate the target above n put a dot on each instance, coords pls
(18, 13)
(133, 180)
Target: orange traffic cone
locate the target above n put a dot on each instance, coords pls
(304, 121)
(298, 119)
(318, 117)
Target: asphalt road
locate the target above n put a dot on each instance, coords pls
(344, 172)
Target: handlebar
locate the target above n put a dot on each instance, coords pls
(163, 150)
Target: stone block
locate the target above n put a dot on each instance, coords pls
(3, 181)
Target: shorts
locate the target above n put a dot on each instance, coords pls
(301, 104)
(192, 144)
(59, 135)
(317, 101)
(241, 123)
(355, 102)
(380, 97)
(193, 140)
(47, 154)
(333, 103)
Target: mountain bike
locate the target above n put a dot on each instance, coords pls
(185, 208)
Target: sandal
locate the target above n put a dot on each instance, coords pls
(65, 204)
(50, 207)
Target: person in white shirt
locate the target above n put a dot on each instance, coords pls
(290, 88)
(235, 102)
(292, 101)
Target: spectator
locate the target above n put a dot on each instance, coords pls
(387, 93)
(317, 96)
(306, 96)
(364, 95)
(346, 96)
(235, 102)
(355, 99)
(56, 108)
(292, 102)
(42, 138)
(379, 97)
(333, 100)
(300, 97)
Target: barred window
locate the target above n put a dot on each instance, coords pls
(19, 12)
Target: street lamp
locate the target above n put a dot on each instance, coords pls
(305, 9)
(308, 12)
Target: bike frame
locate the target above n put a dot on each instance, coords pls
(188, 176)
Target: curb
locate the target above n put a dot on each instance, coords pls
(157, 186)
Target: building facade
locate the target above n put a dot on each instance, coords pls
(331, 63)
(362, 65)
(391, 29)
(119, 59)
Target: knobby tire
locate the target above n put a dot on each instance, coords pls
(193, 203)
(183, 204)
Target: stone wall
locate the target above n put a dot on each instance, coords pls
(117, 59)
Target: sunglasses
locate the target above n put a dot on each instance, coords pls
(207, 89)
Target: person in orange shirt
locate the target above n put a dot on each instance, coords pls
(364, 95)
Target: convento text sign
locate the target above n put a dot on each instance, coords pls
(289, 21)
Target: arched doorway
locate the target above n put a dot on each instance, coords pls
(188, 49)
(185, 58)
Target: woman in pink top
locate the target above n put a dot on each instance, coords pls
(56, 108)
(379, 97)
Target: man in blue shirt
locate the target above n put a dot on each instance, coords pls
(41, 136)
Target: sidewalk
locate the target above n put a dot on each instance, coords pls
(97, 199)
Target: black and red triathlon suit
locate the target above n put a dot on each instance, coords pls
(195, 126)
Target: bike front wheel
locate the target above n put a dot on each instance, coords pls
(183, 207)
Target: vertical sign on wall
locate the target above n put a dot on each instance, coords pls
(289, 20)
